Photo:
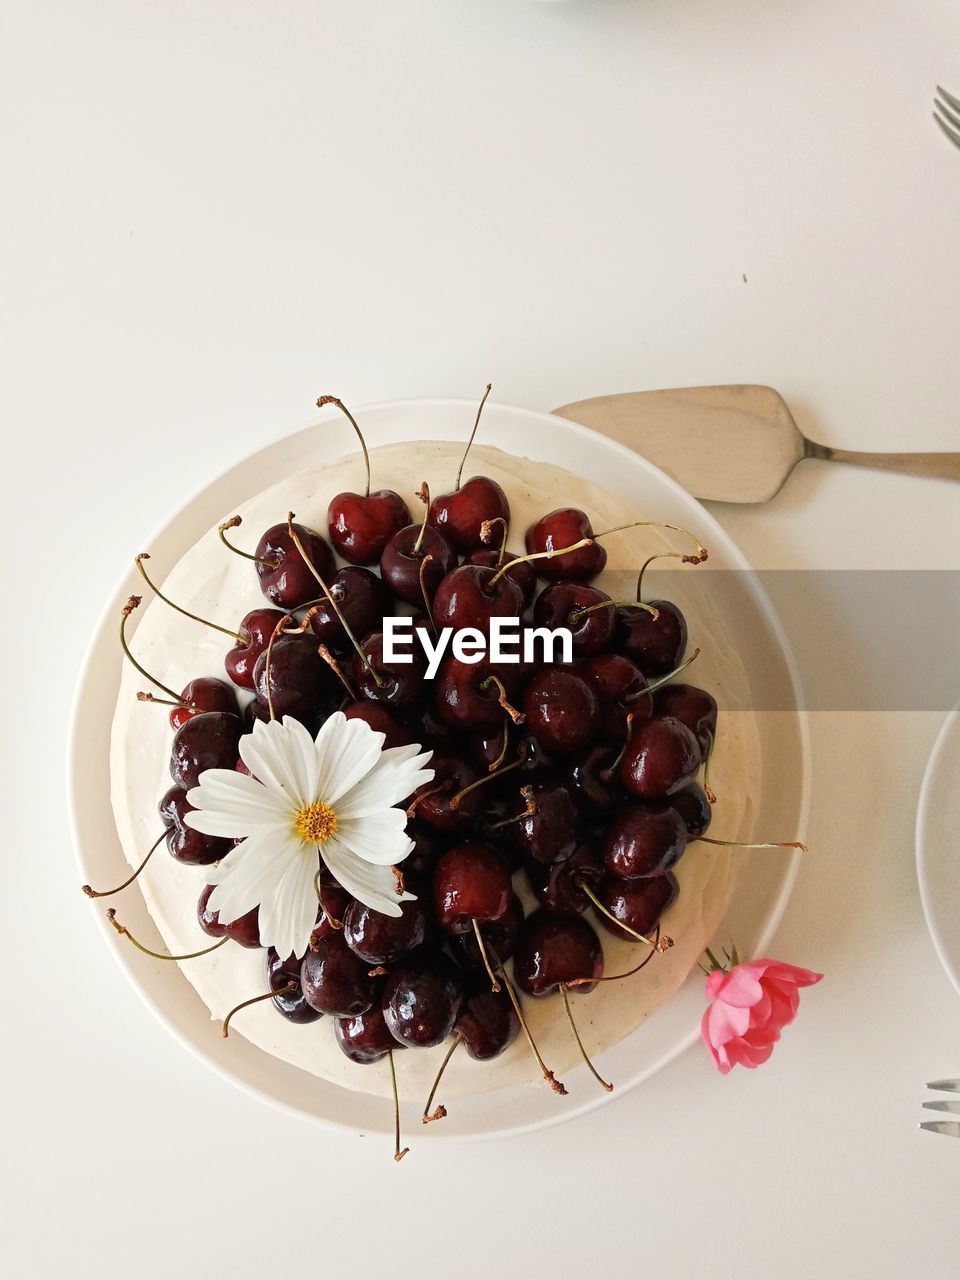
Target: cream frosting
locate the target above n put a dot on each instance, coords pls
(211, 582)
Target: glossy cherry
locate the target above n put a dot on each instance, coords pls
(361, 524)
(285, 579)
(381, 721)
(488, 1023)
(593, 779)
(362, 600)
(499, 937)
(550, 832)
(291, 1003)
(565, 605)
(644, 841)
(661, 757)
(185, 844)
(471, 695)
(657, 645)
(523, 572)
(639, 904)
(461, 515)
(301, 683)
(245, 929)
(380, 939)
(256, 628)
(618, 683)
(557, 886)
(693, 707)
(472, 595)
(693, 807)
(395, 684)
(562, 528)
(334, 979)
(562, 711)
(365, 1037)
(405, 566)
(431, 803)
(470, 882)
(206, 741)
(552, 950)
(421, 999)
(204, 694)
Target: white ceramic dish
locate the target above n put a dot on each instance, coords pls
(764, 886)
(938, 853)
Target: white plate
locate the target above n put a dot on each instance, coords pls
(764, 886)
(938, 851)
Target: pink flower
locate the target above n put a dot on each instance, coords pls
(750, 1005)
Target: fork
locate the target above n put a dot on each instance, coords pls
(946, 112)
(951, 1128)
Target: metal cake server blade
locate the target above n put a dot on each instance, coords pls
(729, 444)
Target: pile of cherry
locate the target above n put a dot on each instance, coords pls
(581, 778)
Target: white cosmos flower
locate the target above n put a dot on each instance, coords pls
(335, 796)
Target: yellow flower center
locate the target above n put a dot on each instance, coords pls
(315, 823)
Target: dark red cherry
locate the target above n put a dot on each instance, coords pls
(499, 937)
(470, 882)
(550, 833)
(291, 584)
(431, 804)
(405, 556)
(361, 524)
(638, 904)
(291, 1004)
(559, 529)
(362, 599)
(561, 710)
(472, 595)
(657, 645)
(644, 841)
(557, 885)
(618, 683)
(488, 1023)
(491, 747)
(400, 683)
(693, 807)
(380, 939)
(333, 897)
(466, 694)
(428, 845)
(523, 572)
(381, 721)
(593, 779)
(661, 757)
(460, 516)
(301, 683)
(365, 1037)
(245, 929)
(205, 694)
(564, 605)
(334, 979)
(555, 949)
(185, 844)
(693, 707)
(421, 999)
(256, 628)
(538, 764)
(206, 741)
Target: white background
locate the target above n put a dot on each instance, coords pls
(213, 212)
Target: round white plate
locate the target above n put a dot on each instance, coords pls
(938, 868)
(764, 885)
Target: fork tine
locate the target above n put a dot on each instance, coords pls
(952, 116)
(952, 1107)
(946, 1086)
(949, 98)
(949, 1128)
(951, 133)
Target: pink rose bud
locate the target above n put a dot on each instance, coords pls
(750, 1005)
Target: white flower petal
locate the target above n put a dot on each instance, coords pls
(394, 778)
(251, 873)
(354, 750)
(288, 918)
(382, 839)
(371, 885)
(273, 753)
(227, 803)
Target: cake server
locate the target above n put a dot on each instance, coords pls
(730, 444)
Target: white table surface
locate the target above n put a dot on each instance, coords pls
(214, 212)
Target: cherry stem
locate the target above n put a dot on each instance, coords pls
(486, 535)
(661, 555)
(576, 1035)
(397, 1153)
(662, 944)
(143, 696)
(331, 919)
(548, 1075)
(748, 844)
(107, 893)
(476, 424)
(708, 791)
(481, 781)
(607, 774)
(295, 538)
(698, 558)
(528, 812)
(539, 555)
(267, 995)
(138, 561)
(516, 716)
(325, 400)
(610, 916)
(576, 616)
(233, 523)
(654, 685)
(191, 955)
(494, 984)
(423, 493)
(278, 630)
(337, 670)
(428, 1115)
(495, 767)
(421, 571)
(134, 603)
